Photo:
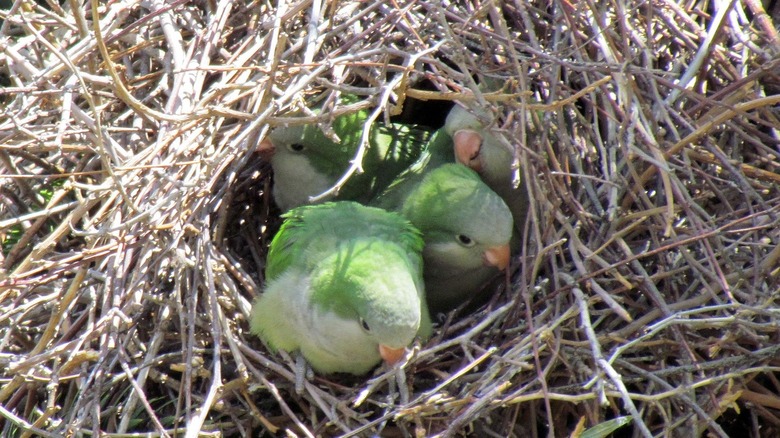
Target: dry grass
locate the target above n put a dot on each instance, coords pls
(135, 215)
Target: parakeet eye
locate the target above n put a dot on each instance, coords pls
(464, 240)
(364, 324)
(296, 147)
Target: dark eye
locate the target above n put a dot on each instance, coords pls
(296, 147)
(464, 240)
(364, 324)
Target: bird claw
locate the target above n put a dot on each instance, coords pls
(403, 390)
(302, 373)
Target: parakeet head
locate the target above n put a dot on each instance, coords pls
(464, 223)
(307, 162)
(381, 305)
(477, 147)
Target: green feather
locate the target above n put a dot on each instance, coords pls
(307, 162)
(309, 232)
(333, 268)
(494, 163)
(460, 218)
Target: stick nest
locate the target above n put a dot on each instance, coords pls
(136, 213)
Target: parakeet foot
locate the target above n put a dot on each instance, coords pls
(302, 372)
(403, 390)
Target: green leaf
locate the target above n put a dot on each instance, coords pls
(604, 429)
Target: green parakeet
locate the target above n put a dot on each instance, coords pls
(306, 162)
(478, 148)
(344, 287)
(465, 225)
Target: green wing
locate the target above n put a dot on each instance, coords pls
(309, 232)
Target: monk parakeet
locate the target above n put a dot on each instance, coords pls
(307, 162)
(344, 287)
(465, 225)
(477, 147)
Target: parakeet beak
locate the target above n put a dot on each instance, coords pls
(266, 149)
(391, 355)
(497, 256)
(467, 147)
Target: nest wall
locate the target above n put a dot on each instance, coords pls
(135, 215)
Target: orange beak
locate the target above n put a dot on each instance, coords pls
(497, 256)
(468, 144)
(266, 149)
(391, 356)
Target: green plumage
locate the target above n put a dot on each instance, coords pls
(493, 162)
(333, 268)
(462, 222)
(307, 162)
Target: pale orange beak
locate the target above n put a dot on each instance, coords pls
(391, 356)
(497, 256)
(468, 144)
(266, 149)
